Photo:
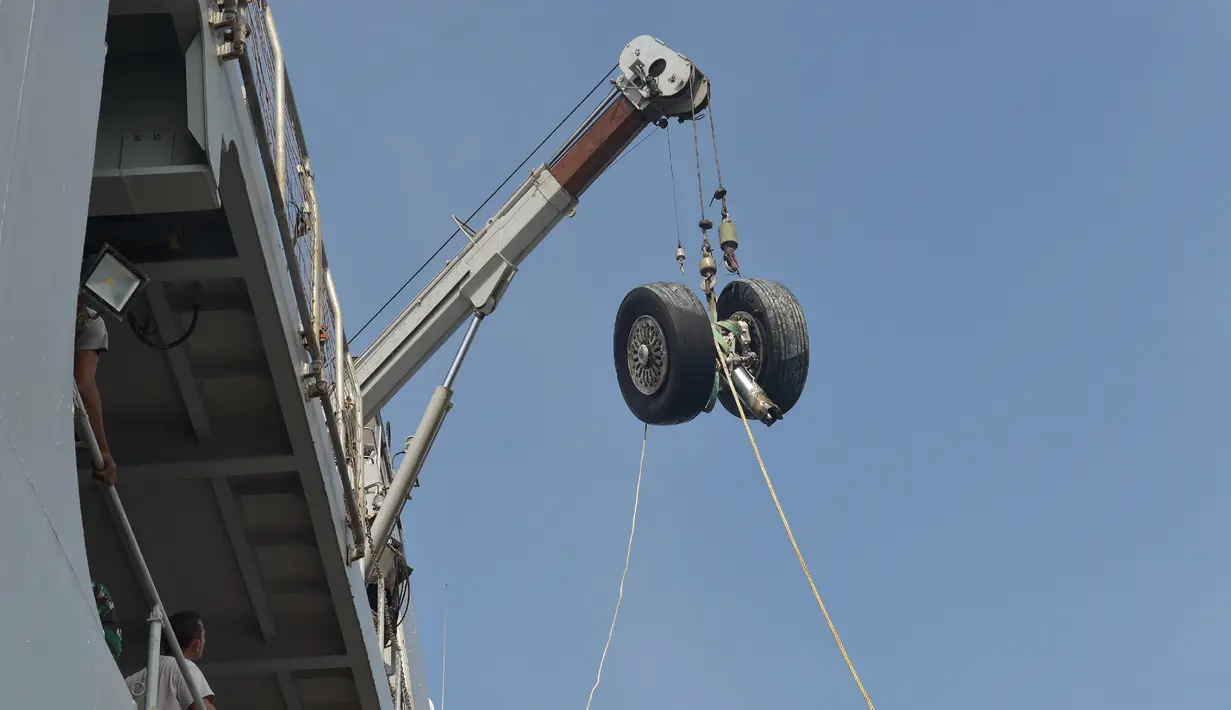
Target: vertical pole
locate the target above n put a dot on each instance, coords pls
(339, 345)
(341, 381)
(357, 410)
(381, 611)
(129, 540)
(318, 259)
(153, 659)
(279, 103)
(404, 676)
(397, 669)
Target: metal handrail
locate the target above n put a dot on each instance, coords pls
(288, 172)
(158, 613)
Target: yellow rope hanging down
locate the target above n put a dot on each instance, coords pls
(627, 556)
(782, 515)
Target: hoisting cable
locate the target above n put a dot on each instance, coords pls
(630, 150)
(728, 251)
(707, 266)
(675, 204)
(627, 556)
(516, 171)
(722, 193)
(444, 649)
(787, 526)
(704, 223)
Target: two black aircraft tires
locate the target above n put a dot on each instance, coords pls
(665, 356)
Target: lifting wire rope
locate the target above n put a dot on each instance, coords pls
(708, 270)
(709, 282)
(628, 152)
(675, 204)
(708, 285)
(627, 556)
(516, 171)
(787, 525)
(444, 649)
(728, 252)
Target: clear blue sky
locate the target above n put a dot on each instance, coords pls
(1008, 224)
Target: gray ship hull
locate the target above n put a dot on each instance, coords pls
(237, 472)
(51, 73)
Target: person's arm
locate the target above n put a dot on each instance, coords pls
(209, 703)
(85, 364)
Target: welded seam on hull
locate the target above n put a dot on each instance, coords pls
(68, 560)
(21, 91)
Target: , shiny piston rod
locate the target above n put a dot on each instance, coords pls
(750, 393)
(743, 362)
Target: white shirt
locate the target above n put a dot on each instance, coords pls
(173, 692)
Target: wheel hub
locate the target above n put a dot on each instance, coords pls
(647, 355)
(753, 345)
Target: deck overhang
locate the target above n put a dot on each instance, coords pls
(225, 462)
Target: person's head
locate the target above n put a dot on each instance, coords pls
(189, 632)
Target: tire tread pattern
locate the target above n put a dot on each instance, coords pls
(785, 331)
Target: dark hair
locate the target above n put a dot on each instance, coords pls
(187, 628)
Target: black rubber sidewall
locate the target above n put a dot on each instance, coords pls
(690, 355)
(783, 374)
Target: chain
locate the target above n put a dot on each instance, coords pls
(675, 204)
(376, 612)
(375, 563)
(405, 704)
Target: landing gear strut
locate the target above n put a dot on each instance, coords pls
(666, 362)
(772, 345)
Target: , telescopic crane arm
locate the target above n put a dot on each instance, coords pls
(655, 83)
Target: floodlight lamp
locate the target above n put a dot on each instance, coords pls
(112, 281)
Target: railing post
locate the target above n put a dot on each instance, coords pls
(252, 71)
(335, 410)
(357, 411)
(309, 297)
(397, 674)
(339, 353)
(317, 247)
(279, 104)
(129, 540)
(152, 659)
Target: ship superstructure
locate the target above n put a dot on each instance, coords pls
(257, 482)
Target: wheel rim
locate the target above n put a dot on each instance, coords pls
(647, 355)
